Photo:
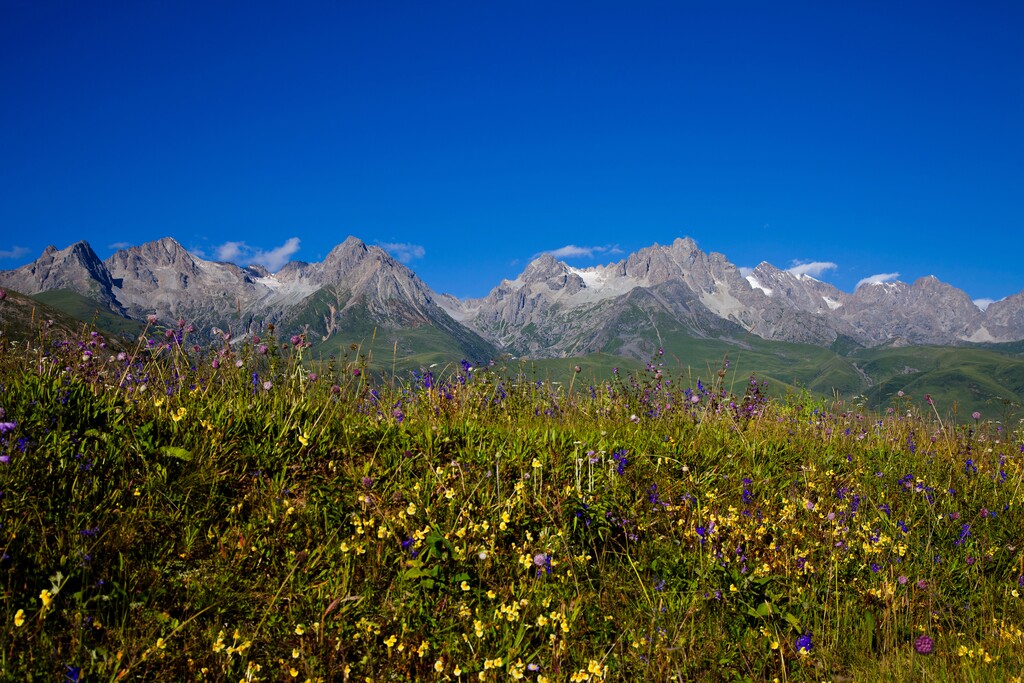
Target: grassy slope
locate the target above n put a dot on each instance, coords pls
(86, 310)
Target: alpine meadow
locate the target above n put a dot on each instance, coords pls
(178, 509)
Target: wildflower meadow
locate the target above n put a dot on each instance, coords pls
(172, 509)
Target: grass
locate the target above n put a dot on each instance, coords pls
(228, 514)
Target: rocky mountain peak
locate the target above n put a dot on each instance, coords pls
(553, 274)
(76, 268)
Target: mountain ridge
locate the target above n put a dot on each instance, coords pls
(551, 309)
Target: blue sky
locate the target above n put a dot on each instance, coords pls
(873, 137)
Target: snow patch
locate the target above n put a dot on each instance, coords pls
(757, 285)
(271, 282)
(831, 303)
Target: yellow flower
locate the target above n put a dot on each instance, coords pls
(19, 617)
(299, 629)
(465, 585)
(411, 510)
(295, 653)
(304, 438)
(46, 597)
(439, 666)
(293, 672)
(390, 641)
(161, 643)
(180, 413)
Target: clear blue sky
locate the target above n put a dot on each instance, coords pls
(882, 137)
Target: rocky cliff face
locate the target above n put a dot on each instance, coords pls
(927, 312)
(76, 268)
(1003, 320)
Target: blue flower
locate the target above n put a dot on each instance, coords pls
(803, 643)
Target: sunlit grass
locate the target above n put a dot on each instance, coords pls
(193, 513)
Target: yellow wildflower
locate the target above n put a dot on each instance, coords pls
(304, 438)
(19, 617)
(299, 629)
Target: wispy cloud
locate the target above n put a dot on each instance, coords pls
(745, 271)
(119, 245)
(983, 304)
(243, 254)
(403, 251)
(812, 268)
(876, 279)
(573, 251)
(13, 252)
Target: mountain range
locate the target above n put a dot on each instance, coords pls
(790, 328)
(551, 310)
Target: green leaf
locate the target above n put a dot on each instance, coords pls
(176, 452)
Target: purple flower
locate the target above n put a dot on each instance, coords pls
(803, 643)
(924, 645)
(976, 415)
(7, 427)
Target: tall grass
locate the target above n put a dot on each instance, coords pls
(236, 512)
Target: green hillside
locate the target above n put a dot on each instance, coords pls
(85, 309)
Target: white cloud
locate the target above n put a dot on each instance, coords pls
(812, 268)
(573, 251)
(876, 279)
(242, 254)
(403, 251)
(983, 304)
(745, 271)
(119, 245)
(14, 252)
